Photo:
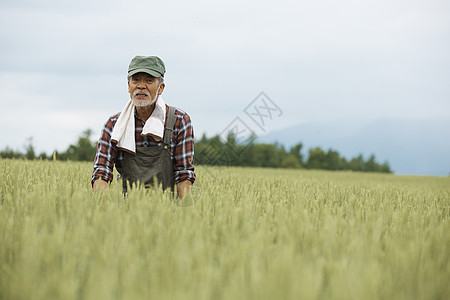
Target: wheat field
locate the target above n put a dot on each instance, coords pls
(249, 234)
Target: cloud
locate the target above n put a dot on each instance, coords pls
(319, 60)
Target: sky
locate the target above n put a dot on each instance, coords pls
(63, 64)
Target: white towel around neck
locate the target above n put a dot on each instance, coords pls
(123, 133)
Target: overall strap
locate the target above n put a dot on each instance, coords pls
(171, 118)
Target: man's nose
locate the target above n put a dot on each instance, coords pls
(141, 84)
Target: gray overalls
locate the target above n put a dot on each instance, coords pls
(150, 162)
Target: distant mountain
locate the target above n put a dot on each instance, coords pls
(410, 146)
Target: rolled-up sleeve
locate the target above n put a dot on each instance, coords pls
(183, 151)
(106, 153)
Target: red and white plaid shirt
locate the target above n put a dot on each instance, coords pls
(181, 145)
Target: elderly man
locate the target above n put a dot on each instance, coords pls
(148, 139)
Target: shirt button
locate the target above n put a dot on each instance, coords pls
(165, 147)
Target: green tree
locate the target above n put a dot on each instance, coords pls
(29, 149)
(83, 150)
(357, 163)
(290, 161)
(267, 155)
(370, 165)
(384, 168)
(316, 159)
(296, 152)
(43, 156)
(9, 153)
(332, 160)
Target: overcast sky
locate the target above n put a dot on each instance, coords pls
(63, 64)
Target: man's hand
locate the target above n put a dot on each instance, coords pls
(184, 187)
(99, 184)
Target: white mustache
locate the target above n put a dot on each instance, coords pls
(141, 92)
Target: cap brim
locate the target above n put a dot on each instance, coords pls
(148, 71)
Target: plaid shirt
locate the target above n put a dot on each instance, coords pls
(181, 144)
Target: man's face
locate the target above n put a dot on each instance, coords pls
(143, 88)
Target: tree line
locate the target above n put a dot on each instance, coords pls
(215, 151)
(83, 150)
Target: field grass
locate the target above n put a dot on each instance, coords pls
(251, 234)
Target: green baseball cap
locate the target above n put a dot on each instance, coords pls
(152, 65)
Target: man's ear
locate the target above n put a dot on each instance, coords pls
(161, 88)
(128, 82)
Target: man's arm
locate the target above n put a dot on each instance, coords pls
(105, 157)
(183, 187)
(99, 184)
(183, 154)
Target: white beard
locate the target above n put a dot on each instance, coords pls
(144, 104)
